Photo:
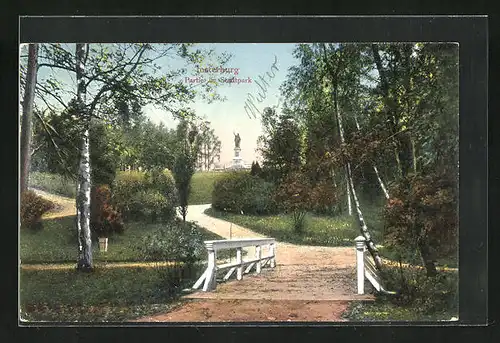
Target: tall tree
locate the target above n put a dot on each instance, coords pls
(280, 145)
(26, 125)
(185, 162)
(83, 181)
(339, 54)
(210, 146)
(105, 72)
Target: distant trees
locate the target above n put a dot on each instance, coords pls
(280, 145)
(209, 147)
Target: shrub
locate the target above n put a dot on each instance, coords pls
(240, 191)
(105, 220)
(422, 214)
(176, 241)
(141, 195)
(32, 209)
(151, 204)
(429, 295)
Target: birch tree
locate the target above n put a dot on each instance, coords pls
(334, 73)
(106, 72)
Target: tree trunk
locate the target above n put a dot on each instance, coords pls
(84, 182)
(29, 95)
(349, 204)
(362, 224)
(427, 259)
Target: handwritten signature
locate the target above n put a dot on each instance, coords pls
(250, 107)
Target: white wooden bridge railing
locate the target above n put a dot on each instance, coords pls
(366, 269)
(209, 275)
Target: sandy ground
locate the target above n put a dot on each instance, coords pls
(254, 311)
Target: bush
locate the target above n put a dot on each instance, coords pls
(105, 220)
(240, 191)
(428, 294)
(150, 204)
(32, 209)
(422, 214)
(139, 195)
(176, 241)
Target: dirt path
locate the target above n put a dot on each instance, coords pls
(64, 206)
(308, 284)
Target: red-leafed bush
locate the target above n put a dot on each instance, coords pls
(105, 220)
(423, 214)
(32, 209)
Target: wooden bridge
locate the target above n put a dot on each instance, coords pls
(312, 278)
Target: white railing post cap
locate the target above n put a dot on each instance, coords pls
(360, 242)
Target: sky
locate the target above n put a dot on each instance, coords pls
(253, 60)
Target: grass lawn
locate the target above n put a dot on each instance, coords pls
(202, 185)
(57, 242)
(53, 183)
(103, 295)
(320, 230)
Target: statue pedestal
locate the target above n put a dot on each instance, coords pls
(237, 160)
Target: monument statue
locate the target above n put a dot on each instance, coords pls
(237, 140)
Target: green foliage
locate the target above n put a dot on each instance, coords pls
(428, 295)
(209, 146)
(185, 162)
(150, 204)
(297, 194)
(239, 191)
(105, 220)
(53, 183)
(59, 140)
(174, 241)
(32, 209)
(145, 196)
(280, 146)
(255, 170)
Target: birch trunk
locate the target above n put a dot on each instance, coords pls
(26, 124)
(363, 227)
(84, 182)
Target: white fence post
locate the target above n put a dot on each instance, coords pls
(272, 251)
(209, 279)
(211, 271)
(258, 255)
(239, 272)
(360, 263)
